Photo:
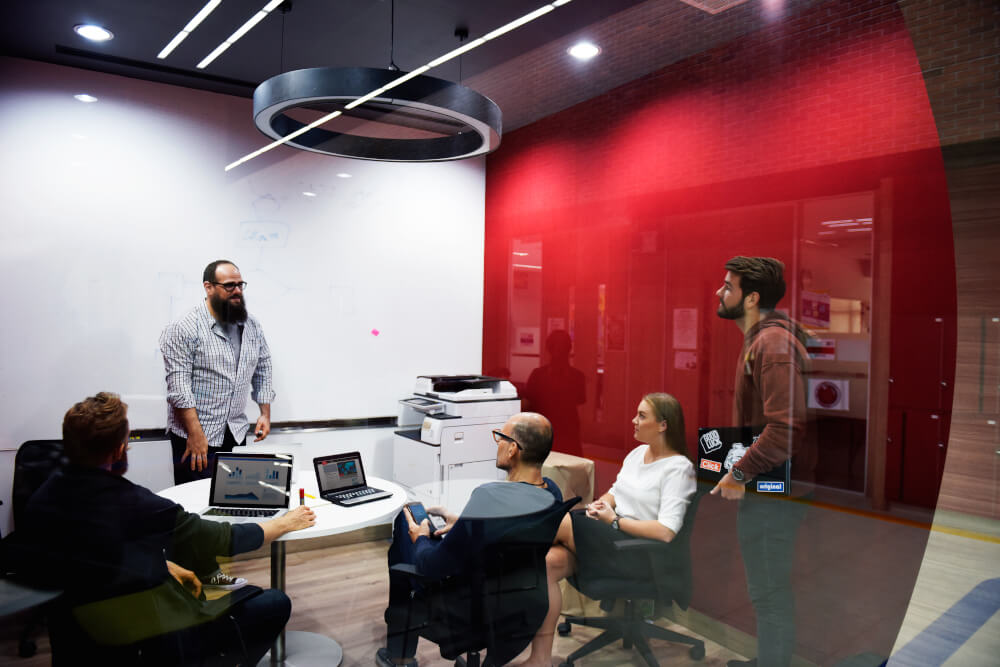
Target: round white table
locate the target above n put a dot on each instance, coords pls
(304, 649)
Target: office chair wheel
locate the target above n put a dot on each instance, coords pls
(26, 648)
(563, 629)
(697, 652)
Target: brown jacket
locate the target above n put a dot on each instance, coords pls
(771, 396)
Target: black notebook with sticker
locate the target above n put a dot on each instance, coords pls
(720, 447)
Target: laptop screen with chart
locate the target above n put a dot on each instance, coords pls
(251, 482)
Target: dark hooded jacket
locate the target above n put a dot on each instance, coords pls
(770, 397)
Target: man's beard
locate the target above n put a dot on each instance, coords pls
(227, 311)
(734, 313)
(120, 466)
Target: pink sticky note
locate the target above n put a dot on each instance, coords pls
(374, 332)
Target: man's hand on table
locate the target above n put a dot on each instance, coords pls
(296, 519)
(299, 518)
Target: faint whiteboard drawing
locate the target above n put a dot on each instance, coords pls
(263, 234)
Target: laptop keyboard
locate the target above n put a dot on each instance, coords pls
(360, 493)
(238, 511)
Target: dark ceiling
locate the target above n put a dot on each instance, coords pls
(527, 71)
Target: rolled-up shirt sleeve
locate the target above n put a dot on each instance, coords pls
(263, 392)
(178, 360)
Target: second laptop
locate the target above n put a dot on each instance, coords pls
(341, 480)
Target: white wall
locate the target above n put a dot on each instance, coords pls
(111, 210)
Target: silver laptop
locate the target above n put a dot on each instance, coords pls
(341, 480)
(249, 487)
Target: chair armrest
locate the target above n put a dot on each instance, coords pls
(406, 568)
(636, 543)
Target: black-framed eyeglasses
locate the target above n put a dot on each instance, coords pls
(499, 435)
(229, 287)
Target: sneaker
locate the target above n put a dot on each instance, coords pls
(222, 581)
(382, 659)
(752, 662)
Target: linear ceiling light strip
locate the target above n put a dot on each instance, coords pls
(517, 23)
(189, 28)
(242, 30)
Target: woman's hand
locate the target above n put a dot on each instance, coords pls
(601, 510)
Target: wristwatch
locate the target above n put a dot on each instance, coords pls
(614, 524)
(738, 475)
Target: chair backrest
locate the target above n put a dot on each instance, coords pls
(501, 602)
(34, 463)
(673, 578)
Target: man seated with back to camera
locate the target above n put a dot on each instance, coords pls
(523, 444)
(121, 553)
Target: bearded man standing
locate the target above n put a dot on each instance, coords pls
(215, 356)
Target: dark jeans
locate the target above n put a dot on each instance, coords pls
(182, 471)
(404, 612)
(767, 529)
(259, 620)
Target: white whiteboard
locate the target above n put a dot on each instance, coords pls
(111, 210)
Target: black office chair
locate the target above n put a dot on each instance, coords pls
(34, 462)
(19, 599)
(671, 583)
(500, 604)
(73, 644)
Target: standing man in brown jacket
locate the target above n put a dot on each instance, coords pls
(769, 396)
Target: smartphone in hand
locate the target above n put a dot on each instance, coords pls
(419, 514)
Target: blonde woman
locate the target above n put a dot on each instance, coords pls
(648, 499)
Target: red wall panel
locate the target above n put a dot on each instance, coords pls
(648, 189)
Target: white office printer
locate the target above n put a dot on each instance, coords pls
(446, 432)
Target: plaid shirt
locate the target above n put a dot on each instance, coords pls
(202, 374)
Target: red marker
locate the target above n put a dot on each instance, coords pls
(302, 496)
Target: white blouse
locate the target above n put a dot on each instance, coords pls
(660, 490)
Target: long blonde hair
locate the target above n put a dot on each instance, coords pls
(668, 409)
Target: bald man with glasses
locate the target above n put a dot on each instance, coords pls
(216, 357)
(523, 444)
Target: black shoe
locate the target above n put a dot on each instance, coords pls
(752, 662)
(382, 659)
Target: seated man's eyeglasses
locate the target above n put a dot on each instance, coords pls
(499, 435)
(229, 287)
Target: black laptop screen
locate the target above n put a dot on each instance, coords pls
(336, 473)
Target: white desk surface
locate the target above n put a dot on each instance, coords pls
(330, 519)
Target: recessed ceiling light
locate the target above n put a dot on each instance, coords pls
(308, 194)
(583, 50)
(343, 174)
(84, 97)
(94, 33)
